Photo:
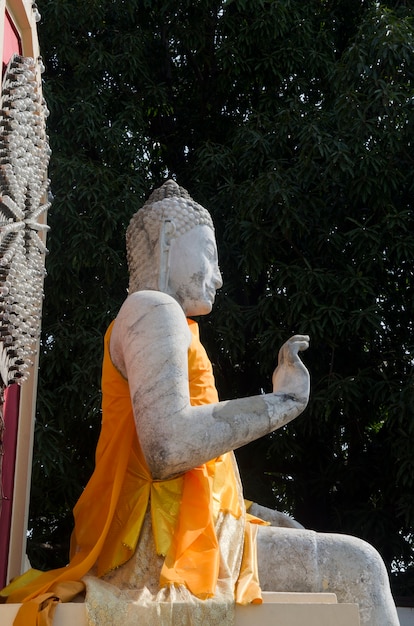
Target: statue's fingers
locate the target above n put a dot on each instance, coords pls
(299, 342)
(289, 350)
(303, 345)
(299, 338)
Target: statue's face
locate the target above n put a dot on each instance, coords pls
(194, 275)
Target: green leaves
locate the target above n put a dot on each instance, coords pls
(293, 123)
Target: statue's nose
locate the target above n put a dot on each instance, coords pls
(218, 279)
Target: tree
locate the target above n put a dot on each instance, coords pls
(292, 122)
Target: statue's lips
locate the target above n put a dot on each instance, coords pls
(211, 293)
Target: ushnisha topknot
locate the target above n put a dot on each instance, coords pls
(168, 202)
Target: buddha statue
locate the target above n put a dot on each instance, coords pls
(161, 533)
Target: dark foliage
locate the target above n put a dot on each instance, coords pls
(293, 123)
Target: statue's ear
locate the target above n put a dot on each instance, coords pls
(168, 230)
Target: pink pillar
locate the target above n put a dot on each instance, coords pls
(11, 419)
(11, 44)
(18, 35)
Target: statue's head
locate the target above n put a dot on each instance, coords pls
(171, 247)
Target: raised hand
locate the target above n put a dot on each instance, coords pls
(291, 376)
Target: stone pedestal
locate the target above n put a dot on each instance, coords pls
(289, 609)
(297, 609)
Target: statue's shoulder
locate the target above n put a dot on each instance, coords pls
(149, 317)
(150, 299)
(150, 307)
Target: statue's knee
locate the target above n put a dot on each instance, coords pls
(351, 557)
(373, 559)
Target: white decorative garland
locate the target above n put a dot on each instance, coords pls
(24, 158)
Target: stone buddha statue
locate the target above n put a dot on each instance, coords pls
(161, 532)
(174, 274)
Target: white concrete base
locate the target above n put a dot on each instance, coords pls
(289, 609)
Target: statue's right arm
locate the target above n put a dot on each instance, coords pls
(149, 346)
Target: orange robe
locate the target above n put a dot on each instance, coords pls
(110, 512)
